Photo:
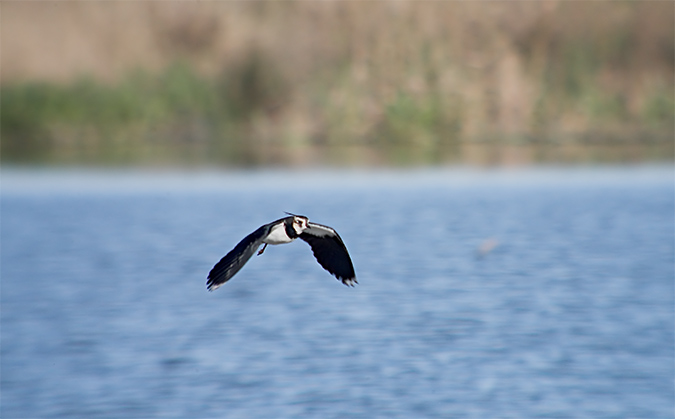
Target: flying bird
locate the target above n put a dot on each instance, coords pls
(327, 246)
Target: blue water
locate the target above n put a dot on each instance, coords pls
(105, 313)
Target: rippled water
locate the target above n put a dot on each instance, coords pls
(105, 313)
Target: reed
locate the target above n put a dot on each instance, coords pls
(297, 83)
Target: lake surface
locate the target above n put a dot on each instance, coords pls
(570, 314)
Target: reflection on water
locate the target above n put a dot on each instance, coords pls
(568, 314)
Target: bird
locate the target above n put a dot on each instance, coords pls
(326, 244)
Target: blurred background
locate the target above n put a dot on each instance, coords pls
(500, 172)
(337, 83)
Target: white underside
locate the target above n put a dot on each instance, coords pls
(277, 235)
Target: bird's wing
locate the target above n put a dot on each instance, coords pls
(232, 262)
(330, 252)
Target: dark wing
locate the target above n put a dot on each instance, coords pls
(330, 252)
(236, 259)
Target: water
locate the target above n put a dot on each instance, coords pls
(105, 312)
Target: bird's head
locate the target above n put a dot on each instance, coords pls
(300, 223)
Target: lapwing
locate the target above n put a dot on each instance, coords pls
(327, 246)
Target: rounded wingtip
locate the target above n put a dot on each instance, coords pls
(211, 286)
(350, 282)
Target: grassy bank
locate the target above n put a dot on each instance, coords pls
(356, 83)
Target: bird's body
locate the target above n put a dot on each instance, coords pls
(278, 234)
(326, 245)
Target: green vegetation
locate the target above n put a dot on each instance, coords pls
(440, 82)
(143, 118)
